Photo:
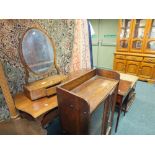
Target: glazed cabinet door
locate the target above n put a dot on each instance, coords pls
(150, 38)
(139, 27)
(146, 70)
(124, 32)
(132, 67)
(119, 65)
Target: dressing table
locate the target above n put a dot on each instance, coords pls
(38, 56)
(43, 110)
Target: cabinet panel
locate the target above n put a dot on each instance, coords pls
(138, 34)
(119, 65)
(132, 67)
(124, 32)
(153, 76)
(146, 70)
(134, 58)
(150, 37)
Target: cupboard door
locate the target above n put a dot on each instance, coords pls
(139, 27)
(150, 37)
(108, 31)
(95, 40)
(124, 33)
(103, 33)
(132, 67)
(146, 70)
(153, 76)
(119, 65)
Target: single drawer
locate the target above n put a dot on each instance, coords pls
(50, 91)
(120, 56)
(149, 60)
(134, 58)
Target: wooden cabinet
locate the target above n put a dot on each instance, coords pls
(132, 67)
(119, 65)
(146, 70)
(137, 55)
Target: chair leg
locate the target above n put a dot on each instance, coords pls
(118, 116)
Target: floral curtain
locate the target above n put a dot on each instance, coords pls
(81, 50)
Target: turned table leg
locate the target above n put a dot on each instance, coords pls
(118, 116)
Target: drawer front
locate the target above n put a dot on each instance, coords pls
(152, 60)
(51, 91)
(120, 56)
(134, 58)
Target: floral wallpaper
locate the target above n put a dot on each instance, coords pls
(61, 31)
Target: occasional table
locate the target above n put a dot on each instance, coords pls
(122, 96)
(126, 94)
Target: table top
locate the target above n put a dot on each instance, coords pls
(128, 77)
(35, 108)
(95, 90)
(124, 87)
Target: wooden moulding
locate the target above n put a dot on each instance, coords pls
(79, 98)
(7, 94)
(135, 54)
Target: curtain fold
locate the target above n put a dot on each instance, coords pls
(81, 48)
(90, 44)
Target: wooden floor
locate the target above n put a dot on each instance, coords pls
(21, 127)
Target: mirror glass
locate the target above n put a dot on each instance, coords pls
(37, 51)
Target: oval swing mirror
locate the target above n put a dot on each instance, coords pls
(37, 51)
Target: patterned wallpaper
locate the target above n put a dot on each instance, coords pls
(62, 32)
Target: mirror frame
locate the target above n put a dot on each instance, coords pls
(28, 69)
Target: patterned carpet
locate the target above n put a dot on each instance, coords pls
(139, 120)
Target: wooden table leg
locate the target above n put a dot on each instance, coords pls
(114, 98)
(126, 103)
(118, 116)
(105, 117)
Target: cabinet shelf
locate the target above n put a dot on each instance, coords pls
(140, 27)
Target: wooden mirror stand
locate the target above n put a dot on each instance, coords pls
(38, 55)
